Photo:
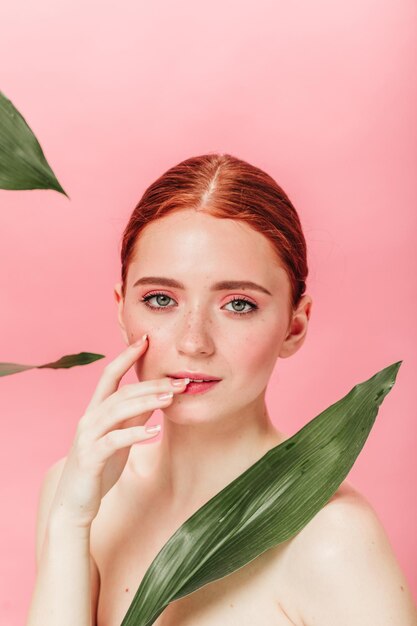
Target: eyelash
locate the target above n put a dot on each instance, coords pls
(145, 300)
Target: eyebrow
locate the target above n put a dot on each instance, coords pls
(220, 286)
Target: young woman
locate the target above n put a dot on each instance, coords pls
(213, 271)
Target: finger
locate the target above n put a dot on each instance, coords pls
(145, 387)
(117, 439)
(141, 408)
(134, 391)
(114, 372)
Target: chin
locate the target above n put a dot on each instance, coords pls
(203, 414)
(185, 420)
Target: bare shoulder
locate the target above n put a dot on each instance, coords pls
(344, 570)
(342, 520)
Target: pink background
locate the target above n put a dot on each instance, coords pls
(321, 95)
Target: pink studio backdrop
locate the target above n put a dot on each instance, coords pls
(321, 95)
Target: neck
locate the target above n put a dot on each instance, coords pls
(196, 461)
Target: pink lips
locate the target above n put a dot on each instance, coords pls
(196, 375)
(193, 388)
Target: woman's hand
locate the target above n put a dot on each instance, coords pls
(103, 439)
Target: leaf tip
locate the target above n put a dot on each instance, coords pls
(57, 187)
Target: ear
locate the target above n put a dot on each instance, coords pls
(120, 304)
(297, 329)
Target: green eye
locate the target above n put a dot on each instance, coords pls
(251, 304)
(158, 294)
(146, 299)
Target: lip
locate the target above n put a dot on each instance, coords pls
(196, 375)
(200, 388)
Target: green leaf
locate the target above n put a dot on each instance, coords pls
(82, 358)
(22, 162)
(266, 505)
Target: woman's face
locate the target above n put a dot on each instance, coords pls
(198, 328)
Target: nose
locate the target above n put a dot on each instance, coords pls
(194, 334)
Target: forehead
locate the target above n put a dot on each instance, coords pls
(190, 242)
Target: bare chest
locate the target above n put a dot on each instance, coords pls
(125, 544)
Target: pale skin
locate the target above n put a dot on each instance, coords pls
(339, 569)
(198, 331)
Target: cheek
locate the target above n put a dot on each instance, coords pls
(258, 354)
(154, 361)
(137, 324)
(135, 327)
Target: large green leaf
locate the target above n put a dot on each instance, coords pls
(70, 360)
(266, 505)
(22, 162)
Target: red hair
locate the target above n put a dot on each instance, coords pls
(225, 187)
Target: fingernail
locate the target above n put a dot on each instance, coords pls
(141, 340)
(153, 429)
(165, 396)
(175, 382)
